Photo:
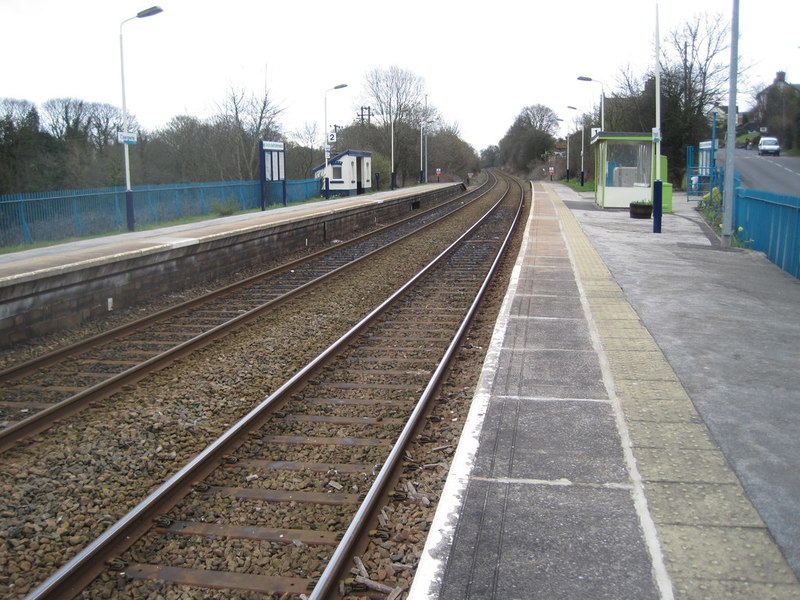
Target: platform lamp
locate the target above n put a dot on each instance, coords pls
(582, 143)
(567, 136)
(602, 100)
(326, 149)
(128, 138)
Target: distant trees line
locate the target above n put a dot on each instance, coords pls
(70, 143)
(694, 78)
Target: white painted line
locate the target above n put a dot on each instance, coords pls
(611, 485)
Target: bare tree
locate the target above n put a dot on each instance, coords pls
(694, 79)
(397, 98)
(394, 93)
(66, 118)
(15, 111)
(307, 139)
(105, 120)
(244, 119)
(694, 60)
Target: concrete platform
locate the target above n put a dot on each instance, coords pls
(622, 432)
(55, 287)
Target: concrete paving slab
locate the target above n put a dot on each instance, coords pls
(689, 466)
(553, 307)
(659, 411)
(540, 373)
(701, 504)
(688, 435)
(551, 440)
(552, 334)
(724, 553)
(578, 543)
(704, 589)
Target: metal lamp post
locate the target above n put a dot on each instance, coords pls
(393, 182)
(326, 148)
(568, 134)
(602, 100)
(728, 192)
(582, 143)
(149, 12)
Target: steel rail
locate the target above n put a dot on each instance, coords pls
(84, 567)
(42, 420)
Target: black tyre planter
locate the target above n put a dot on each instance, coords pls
(641, 211)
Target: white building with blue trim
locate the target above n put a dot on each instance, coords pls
(350, 173)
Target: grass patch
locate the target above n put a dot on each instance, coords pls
(575, 184)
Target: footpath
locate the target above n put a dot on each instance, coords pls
(728, 322)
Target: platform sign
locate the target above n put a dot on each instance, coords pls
(656, 135)
(273, 168)
(273, 155)
(127, 137)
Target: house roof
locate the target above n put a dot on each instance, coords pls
(342, 155)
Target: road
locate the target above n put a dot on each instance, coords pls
(776, 174)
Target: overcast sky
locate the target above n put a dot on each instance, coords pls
(482, 62)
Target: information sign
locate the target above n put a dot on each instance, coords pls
(127, 137)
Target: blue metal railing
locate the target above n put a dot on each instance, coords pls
(701, 176)
(55, 216)
(769, 223)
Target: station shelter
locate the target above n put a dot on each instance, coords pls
(349, 173)
(625, 170)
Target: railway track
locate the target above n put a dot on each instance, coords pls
(279, 505)
(38, 392)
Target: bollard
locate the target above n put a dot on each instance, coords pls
(657, 206)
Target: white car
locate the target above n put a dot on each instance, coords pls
(769, 145)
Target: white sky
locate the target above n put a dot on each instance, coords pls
(184, 60)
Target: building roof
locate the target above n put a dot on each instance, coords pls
(342, 155)
(621, 135)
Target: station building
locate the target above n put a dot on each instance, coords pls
(349, 173)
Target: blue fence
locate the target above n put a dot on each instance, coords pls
(702, 176)
(770, 223)
(55, 216)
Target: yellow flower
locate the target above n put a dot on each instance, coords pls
(741, 229)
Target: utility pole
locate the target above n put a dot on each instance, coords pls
(729, 193)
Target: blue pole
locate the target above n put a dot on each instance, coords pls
(657, 206)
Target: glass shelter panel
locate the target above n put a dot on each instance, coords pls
(629, 163)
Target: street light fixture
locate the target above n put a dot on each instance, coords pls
(148, 12)
(602, 100)
(326, 148)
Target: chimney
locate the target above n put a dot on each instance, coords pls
(780, 77)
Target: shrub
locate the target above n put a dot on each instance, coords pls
(226, 209)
